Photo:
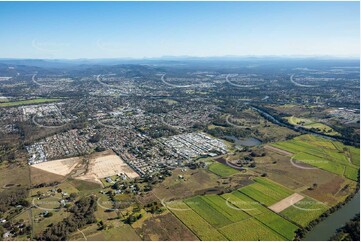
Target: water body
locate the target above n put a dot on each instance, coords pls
(244, 142)
(325, 229)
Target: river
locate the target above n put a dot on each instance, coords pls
(325, 229)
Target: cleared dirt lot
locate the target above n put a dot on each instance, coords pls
(285, 203)
(60, 167)
(104, 164)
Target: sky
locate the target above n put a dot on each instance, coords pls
(72, 30)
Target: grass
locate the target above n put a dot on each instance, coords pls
(310, 124)
(265, 191)
(249, 229)
(27, 102)
(328, 155)
(304, 211)
(196, 223)
(222, 170)
(207, 212)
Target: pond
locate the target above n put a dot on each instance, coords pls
(244, 142)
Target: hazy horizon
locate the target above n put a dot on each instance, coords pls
(138, 30)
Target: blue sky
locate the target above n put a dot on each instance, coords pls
(154, 29)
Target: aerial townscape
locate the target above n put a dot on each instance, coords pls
(230, 148)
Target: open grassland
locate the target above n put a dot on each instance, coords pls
(249, 229)
(304, 211)
(195, 222)
(222, 170)
(265, 191)
(28, 102)
(310, 124)
(328, 155)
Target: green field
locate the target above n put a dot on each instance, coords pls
(249, 229)
(219, 204)
(196, 223)
(304, 211)
(325, 154)
(235, 215)
(278, 224)
(222, 170)
(30, 101)
(265, 191)
(207, 212)
(310, 124)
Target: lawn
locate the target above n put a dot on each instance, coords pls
(265, 191)
(328, 155)
(249, 229)
(30, 101)
(222, 170)
(304, 211)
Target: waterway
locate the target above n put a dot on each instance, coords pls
(325, 229)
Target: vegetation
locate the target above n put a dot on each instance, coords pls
(349, 232)
(82, 214)
(265, 191)
(328, 155)
(28, 102)
(222, 170)
(304, 211)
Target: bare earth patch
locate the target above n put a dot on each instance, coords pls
(285, 203)
(284, 152)
(104, 164)
(60, 167)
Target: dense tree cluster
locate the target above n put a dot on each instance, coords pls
(82, 214)
(349, 232)
(13, 197)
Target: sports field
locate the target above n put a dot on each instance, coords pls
(325, 154)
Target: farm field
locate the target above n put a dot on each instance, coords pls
(28, 102)
(328, 155)
(235, 215)
(265, 191)
(310, 124)
(222, 170)
(249, 229)
(331, 188)
(195, 222)
(304, 211)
